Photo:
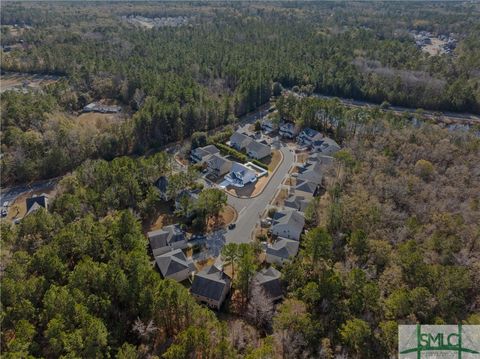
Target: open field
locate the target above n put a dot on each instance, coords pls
(100, 120)
(11, 81)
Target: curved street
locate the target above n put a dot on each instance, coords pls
(250, 209)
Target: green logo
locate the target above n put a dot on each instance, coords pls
(439, 341)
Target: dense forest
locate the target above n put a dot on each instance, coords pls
(394, 238)
(183, 79)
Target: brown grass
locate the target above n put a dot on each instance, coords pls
(273, 160)
(250, 190)
(99, 120)
(165, 217)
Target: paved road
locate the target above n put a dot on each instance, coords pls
(11, 193)
(250, 209)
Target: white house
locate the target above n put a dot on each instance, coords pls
(211, 286)
(258, 150)
(240, 175)
(288, 223)
(174, 265)
(288, 130)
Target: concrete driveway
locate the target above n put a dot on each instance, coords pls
(250, 209)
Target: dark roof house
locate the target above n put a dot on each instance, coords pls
(174, 265)
(36, 202)
(282, 250)
(269, 280)
(201, 154)
(211, 286)
(297, 202)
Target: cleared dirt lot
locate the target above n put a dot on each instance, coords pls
(17, 80)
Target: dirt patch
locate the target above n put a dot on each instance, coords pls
(227, 216)
(17, 80)
(18, 208)
(99, 120)
(435, 48)
(302, 157)
(164, 218)
(205, 263)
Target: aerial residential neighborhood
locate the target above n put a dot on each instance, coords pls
(239, 179)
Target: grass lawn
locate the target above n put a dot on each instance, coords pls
(273, 160)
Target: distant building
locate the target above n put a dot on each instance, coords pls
(240, 175)
(258, 150)
(165, 239)
(201, 154)
(211, 286)
(97, 107)
(174, 265)
(35, 202)
(269, 280)
(218, 165)
(282, 251)
(288, 223)
(288, 130)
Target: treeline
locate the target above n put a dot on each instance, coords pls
(233, 57)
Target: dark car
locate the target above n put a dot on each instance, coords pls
(232, 226)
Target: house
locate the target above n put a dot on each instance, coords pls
(174, 265)
(282, 250)
(269, 280)
(98, 107)
(288, 130)
(306, 188)
(258, 150)
(268, 125)
(312, 173)
(288, 223)
(167, 238)
(297, 202)
(201, 154)
(218, 165)
(240, 175)
(211, 286)
(326, 146)
(36, 202)
(308, 136)
(240, 141)
(319, 158)
(162, 186)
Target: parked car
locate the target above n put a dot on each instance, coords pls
(3, 212)
(232, 226)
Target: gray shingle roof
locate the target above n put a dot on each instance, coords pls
(241, 139)
(311, 173)
(269, 279)
(172, 262)
(258, 147)
(306, 186)
(283, 248)
(297, 202)
(217, 162)
(165, 236)
(210, 283)
(290, 217)
(36, 202)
